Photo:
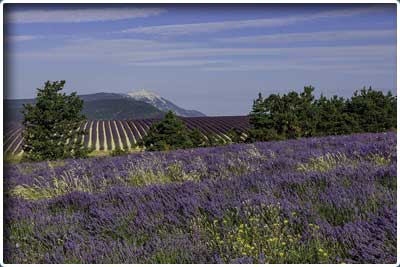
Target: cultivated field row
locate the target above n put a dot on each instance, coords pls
(107, 135)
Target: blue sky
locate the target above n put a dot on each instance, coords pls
(213, 58)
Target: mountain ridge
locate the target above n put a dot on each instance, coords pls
(110, 106)
(162, 103)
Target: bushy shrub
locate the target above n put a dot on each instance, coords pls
(167, 134)
(171, 133)
(119, 152)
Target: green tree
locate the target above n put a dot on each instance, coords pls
(51, 124)
(374, 111)
(214, 140)
(291, 115)
(259, 115)
(333, 117)
(168, 134)
(295, 115)
(198, 139)
(235, 135)
(263, 125)
(307, 112)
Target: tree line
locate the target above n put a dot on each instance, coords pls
(48, 123)
(295, 115)
(288, 116)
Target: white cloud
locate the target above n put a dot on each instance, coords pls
(352, 67)
(80, 15)
(210, 27)
(132, 50)
(21, 38)
(313, 37)
(147, 53)
(178, 63)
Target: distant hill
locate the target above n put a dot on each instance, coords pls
(111, 106)
(100, 106)
(100, 96)
(162, 103)
(12, 109)
(119, 109)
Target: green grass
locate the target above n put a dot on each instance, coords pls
(13, 158)
(331, 161)
(42, 189)
(174, 173)
(104, 153)
(263, 233)
(18, 158)
(325, 163)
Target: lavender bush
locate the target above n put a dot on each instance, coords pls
(316, 200)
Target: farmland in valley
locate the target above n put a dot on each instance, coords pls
(314, 200)
(108, 135)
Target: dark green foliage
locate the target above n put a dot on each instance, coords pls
(214, 140)
(287, 116)
(333, 117)
(235, 135)
(168, 134)
(263, 126)
(171, 133)
(119, 152)
(51, 124)
(296, 115)
(263, 135)
(374, 111)
(197, 138)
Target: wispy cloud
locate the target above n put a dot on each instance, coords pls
(178, 63)
(21, 38)
(150, 53)
(299, 65)
(313, 37)
(131, 50)
(210, 27)
(80, 15)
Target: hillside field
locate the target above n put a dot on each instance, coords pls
(109, 135)
(311, 200)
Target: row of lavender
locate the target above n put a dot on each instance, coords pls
(316, 200)
(125, 134)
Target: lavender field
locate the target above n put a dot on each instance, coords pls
(315, 200)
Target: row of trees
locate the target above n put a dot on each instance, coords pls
(288, 116)
(49, 121)
(296, 115)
